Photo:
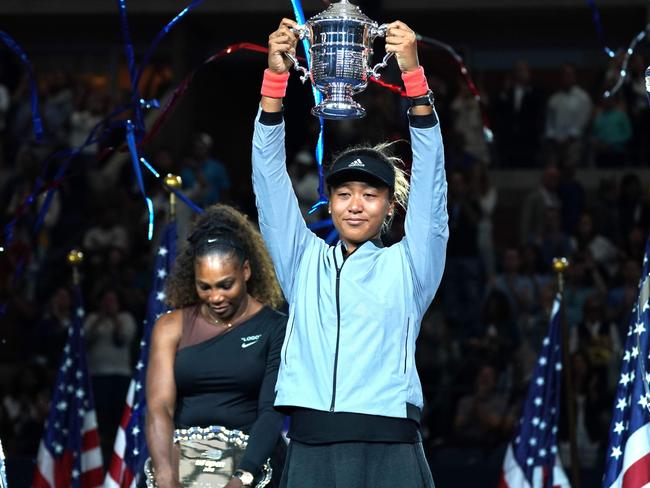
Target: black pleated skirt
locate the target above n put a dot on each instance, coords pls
(356, 465)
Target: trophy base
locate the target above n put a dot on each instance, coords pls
(339, 110)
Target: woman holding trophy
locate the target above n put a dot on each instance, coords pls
(347, 375)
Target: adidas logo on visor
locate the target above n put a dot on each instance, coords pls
(357, 163)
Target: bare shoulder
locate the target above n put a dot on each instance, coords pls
(169, 326)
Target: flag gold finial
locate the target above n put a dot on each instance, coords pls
(560, 265)
(75, 259)
(173, 182)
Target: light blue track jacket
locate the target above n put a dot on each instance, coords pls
(350, 340)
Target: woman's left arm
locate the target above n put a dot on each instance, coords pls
(266, 430)
(426, 225)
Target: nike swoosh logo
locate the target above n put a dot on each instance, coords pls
(249, 344)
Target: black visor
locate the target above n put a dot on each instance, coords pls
(361, 166)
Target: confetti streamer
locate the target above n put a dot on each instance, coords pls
(318, 98)
(130, 139)
(595, 16)
(487, 131)
(623, 73)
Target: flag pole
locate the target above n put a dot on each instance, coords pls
(174, 182)
(75, 259)
(559, 266)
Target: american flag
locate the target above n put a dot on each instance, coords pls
(532, 459)
(3, 470)
(627, 463)
(130, 448)
(69, 455)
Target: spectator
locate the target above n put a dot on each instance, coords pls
(593, 407)
(598, 339)
(622, 296)
(567, 115)
(487, 197)
(468, 122)
(532, 330)
(110, 332)
(51, 332)
(483, 418)
(533, 211)
(534, 267)
(553, 242)
(636, 99)
(572, 198)
(582, 280)
(496, 337)
(605, 210)
(518, 116)
(519, 289)
(107, 233)
(26, 405)
(604, 252)
(462, 281)
(57, 107)
(612, 131)
(206, 179)
(633, 205)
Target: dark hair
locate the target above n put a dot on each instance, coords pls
(223, 230)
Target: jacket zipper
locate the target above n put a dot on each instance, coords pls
(406, 342)
(286, 349)
(338, 325)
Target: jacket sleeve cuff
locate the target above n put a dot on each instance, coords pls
(270, 118)
(250, 466)
(421, 121)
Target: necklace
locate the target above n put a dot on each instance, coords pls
(227, 325)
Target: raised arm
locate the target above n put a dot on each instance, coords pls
(281, 222)
(161, 399)
(426, 226)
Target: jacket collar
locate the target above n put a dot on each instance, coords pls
(368, 246)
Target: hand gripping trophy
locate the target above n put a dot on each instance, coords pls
(341, 39)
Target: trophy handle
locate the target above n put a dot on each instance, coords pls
(300, 69)
(374, 72)
(379, 31)
(303, 32)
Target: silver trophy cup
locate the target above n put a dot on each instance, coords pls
(341, 41)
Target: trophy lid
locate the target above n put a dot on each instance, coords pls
(342, 10)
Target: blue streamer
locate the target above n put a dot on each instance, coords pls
(332, 236)
(318, 98)
(176, 192)
(163, 32)
(626, 59)
(130, 140)
(322, 224)
(137, 104)
(130, 57)
(69, 155)
(595, 15)
(36, 117)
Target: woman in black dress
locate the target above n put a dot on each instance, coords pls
(214, 359)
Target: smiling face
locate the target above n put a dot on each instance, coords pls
(358, 211)
(220, 282)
